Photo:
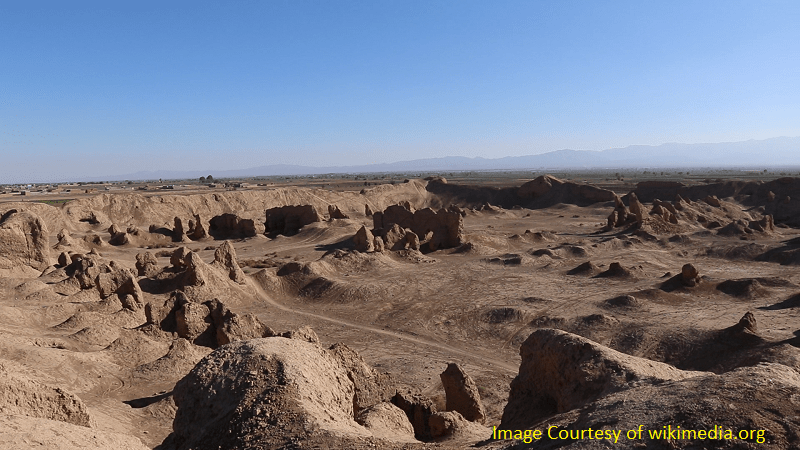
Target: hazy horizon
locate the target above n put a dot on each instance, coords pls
(94, 89)
(704, 156)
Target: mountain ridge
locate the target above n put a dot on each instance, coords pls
(669, 155)
(782, 151)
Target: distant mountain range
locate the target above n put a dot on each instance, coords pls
(774, 152)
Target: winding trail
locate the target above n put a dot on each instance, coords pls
(505, 366)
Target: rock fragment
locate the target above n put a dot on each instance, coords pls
(462, 394)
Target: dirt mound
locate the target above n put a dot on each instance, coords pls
(561, 371)
(387, 421)
(208, 324)
(370, 386)
(335, 213)
(768, 416)
(146, 264)
(461, 394)
(24, 243)
(508, 259)
(20, 395)
(28, 433)
(538, 236)
(339, 261)
(684, 215)
(419, 410)
(615, 270)
(748, 252)
(598, 320)
(623, 301)
(503, 315)
(736, 228)
(791, 302)
(338, 290)
(778, 197)
(471, 248)
(363, 240)
(452, 428)
(225, 259)
(107, 278)
(786, 254)
(300, 389)
(751, 288)
(67, 243)
(102, 335)
(544, 252)
(547, 190)
(133, 348)
(304, 333)
(179, 360)
(83, 319)
(715, 350)
(572, 251)
(587, 268)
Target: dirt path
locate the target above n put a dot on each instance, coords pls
(507, 367)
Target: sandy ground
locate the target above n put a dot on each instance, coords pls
(410, 315)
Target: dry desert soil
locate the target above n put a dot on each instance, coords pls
(420, 314)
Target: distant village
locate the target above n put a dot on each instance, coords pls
(94, 187)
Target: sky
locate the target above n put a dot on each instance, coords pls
(95, 88)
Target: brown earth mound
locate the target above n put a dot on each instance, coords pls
(561, 371)
(509, 259)
(615, 270)
(363, 240)
(461, 394)
(146, 264)
(623, 301)
(587, 268)
(265, 392)
(549, 190)
(786, 254)
(24, 242)
(684, 215)
(208, 324)
(780, 198)
(387, 421)
(751, 287)
(768, 416)
(225, 259)
(452, 428)
(179, 360)
(28, 433)
(419, 410)
(335, 213)
(22, 396)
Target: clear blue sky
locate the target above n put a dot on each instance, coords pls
(117, 87)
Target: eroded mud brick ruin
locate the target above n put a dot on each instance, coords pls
(417, 315)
